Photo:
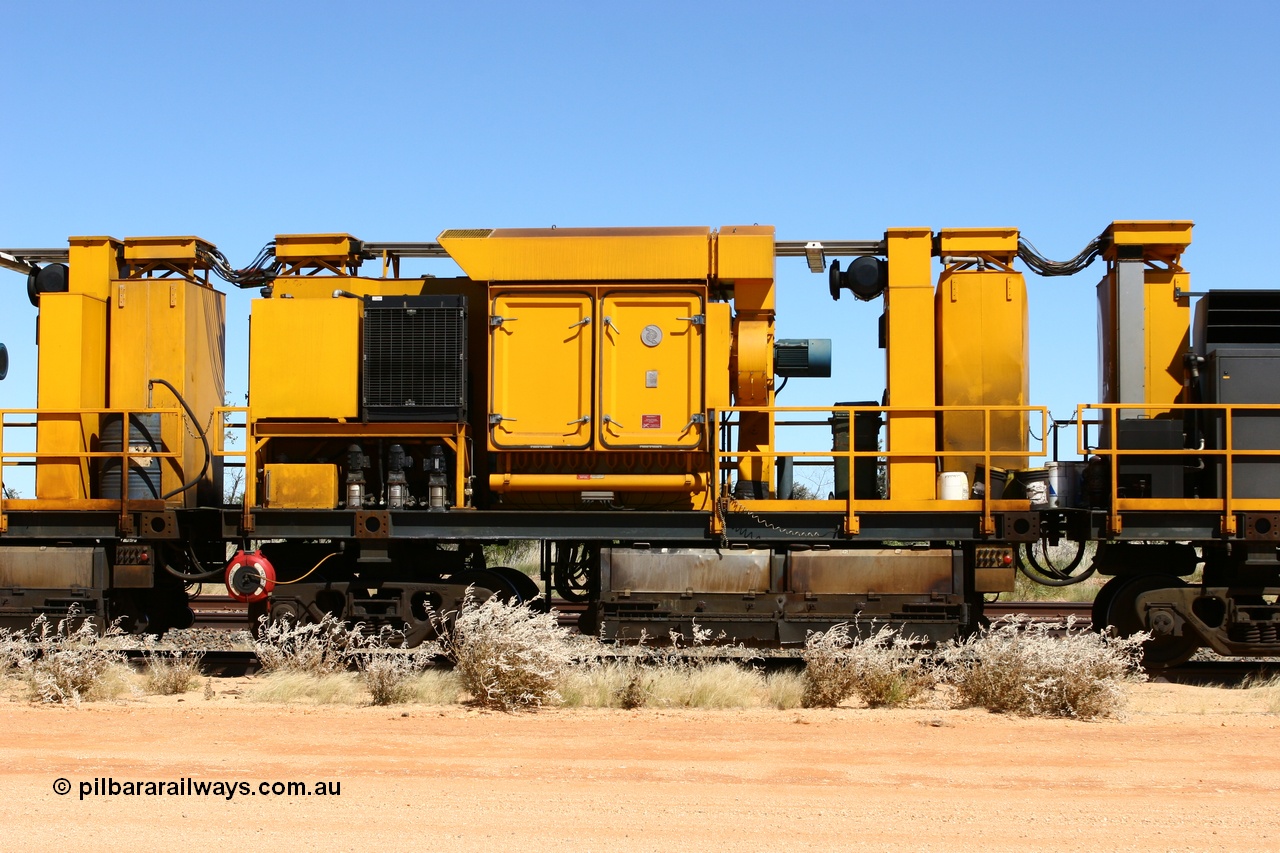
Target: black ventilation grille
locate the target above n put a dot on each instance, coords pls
(1238, 318)
(415, 365)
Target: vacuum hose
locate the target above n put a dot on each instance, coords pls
(204, 439)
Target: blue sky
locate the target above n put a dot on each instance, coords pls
(238, 121)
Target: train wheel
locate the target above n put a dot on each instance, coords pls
(525, 586)
(487, 580)
(1123, 615)
(1102, 601)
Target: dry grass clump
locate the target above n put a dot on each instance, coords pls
(1269, 687)
(1022, 667)
(394, 677)
(170, 672)
(318, 648)
(509, 657)
(434, 687)
(66, 664)
(785, 689)
(884, 670)
(293, 686)
(666, 684)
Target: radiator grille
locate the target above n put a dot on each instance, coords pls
(415, 366)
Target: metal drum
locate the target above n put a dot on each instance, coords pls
(144, 471)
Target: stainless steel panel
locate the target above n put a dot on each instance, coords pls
(1131, 336)
(887, 571)
(40, 567)
(679, 570)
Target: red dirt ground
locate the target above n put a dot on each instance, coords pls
(1190, 769)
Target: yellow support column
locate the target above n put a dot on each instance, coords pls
(72, 367)
(744, 256)
(909, 357)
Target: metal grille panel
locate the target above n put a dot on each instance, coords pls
(415, 364)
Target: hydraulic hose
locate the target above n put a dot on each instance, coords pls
(200, 575)
(1050, 575)
(204, 439)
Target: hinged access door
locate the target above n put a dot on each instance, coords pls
(540, 358)
(651, 369)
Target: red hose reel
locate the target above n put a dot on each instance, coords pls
(250, 576)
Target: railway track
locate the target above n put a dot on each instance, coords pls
(1041, 610)
(223, 612)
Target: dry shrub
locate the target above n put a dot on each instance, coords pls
(386, 676)
(884, 670)
(15, 650)
(1044, 669)
(319, 648)
(68, 665)
(828, 676)
(507, 656)
(169, 671)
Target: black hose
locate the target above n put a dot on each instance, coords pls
(1051, 575)
(204, 439)
(1042, 265)
(201, 574)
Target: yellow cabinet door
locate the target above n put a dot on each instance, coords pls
(540, 358)
(651, 369)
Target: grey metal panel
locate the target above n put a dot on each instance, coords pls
(678, 570)
(1131, 336)
(41, 567)
(886, 571)
(1243, 376)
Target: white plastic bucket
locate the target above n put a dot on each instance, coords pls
(953, 486)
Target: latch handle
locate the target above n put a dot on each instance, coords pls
(583, 322)
(608, 321)
(608, 420)
(696, 319)
(497, 320)
(496, 419)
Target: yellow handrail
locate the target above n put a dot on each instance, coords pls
(850, 504)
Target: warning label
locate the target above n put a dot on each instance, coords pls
(651, 422)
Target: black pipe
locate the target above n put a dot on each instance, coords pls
(204, 439)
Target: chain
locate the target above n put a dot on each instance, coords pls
(727, 504)
(183, 418)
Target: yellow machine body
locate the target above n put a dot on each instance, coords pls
(295, 486)
(1144, 315)
(172, 329)
(982, 349)
(540, 356)
(651, 370)
(304, 358)
(580, 254)
(72, 375)
(909, 357)
(72, 369)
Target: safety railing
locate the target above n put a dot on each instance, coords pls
(1220, 419)
(726, 460)
(233, 426)
(74, 419)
